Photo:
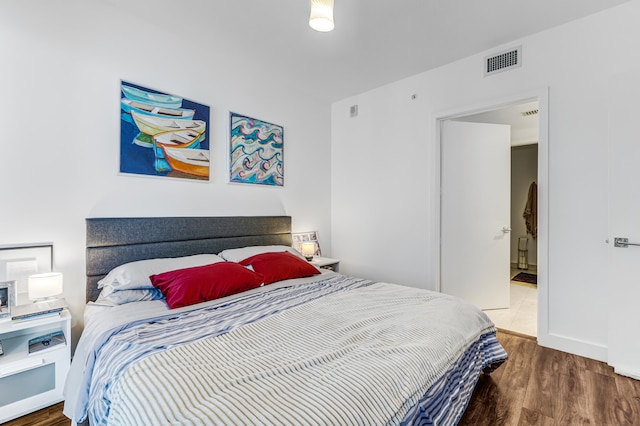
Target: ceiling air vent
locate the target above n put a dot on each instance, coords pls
(503, 61)
(529, 113)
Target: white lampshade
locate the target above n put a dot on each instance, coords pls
(321, 18)
(308, 250)
(41, 286)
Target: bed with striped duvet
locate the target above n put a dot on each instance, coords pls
(334, 351)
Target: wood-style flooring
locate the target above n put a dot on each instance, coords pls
(542, 386)
(536, 386)
(51, 416)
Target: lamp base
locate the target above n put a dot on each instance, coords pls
(309, 258)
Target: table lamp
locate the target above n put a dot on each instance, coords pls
(308, 250)
(44, 286)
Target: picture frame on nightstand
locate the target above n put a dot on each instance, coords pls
(7, 297)
(18, 261)
(303, 237)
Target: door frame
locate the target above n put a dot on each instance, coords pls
(542, 96)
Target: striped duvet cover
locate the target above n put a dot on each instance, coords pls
(337, 351)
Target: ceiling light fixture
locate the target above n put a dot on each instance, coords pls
(321, 17)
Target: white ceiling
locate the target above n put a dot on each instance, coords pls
(524, 125)
(375, 42)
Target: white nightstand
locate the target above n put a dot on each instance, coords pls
(326, 263)
(35, 381)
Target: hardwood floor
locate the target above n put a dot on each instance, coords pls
(541, 386)
(536, 386)
(51, 416)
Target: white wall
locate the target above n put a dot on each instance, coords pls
(524, 170)
(60, 71)
(385, 160)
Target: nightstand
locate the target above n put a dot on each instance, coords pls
(326, 263)
(35, 380)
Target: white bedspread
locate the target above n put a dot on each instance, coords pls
(368, 355)
(102, 321)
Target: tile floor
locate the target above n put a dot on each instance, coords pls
(522, 315)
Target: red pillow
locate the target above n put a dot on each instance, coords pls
(277, 266)
(184, 287)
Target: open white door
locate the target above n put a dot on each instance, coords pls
(475, 212)
(624, 222)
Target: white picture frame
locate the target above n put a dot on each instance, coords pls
(18, 261)
(303, 237)
(7, 297)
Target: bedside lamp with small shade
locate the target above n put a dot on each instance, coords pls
(308, 250)
(44, 286)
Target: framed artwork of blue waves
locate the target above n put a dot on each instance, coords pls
(257, 151)
(162, 134)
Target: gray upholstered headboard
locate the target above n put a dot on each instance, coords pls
(114, 241)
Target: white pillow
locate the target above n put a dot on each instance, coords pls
(135, 275)
(120, 297)
(240, 254)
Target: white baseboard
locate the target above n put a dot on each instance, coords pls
(583, 348)
(623, 371)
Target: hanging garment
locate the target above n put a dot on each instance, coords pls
(531, 210)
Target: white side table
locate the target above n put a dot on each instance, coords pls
(35, 380)
(326, 263)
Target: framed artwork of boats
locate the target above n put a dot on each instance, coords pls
(256, 152)
(162, 134)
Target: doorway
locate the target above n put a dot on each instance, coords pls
(523, 117)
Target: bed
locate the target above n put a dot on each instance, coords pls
(270, 342)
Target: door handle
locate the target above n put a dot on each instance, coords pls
(506, 229)
(623, 242)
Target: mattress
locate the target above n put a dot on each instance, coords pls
(328, 349)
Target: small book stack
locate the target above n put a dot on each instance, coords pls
(38, 309)
(47, 342)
